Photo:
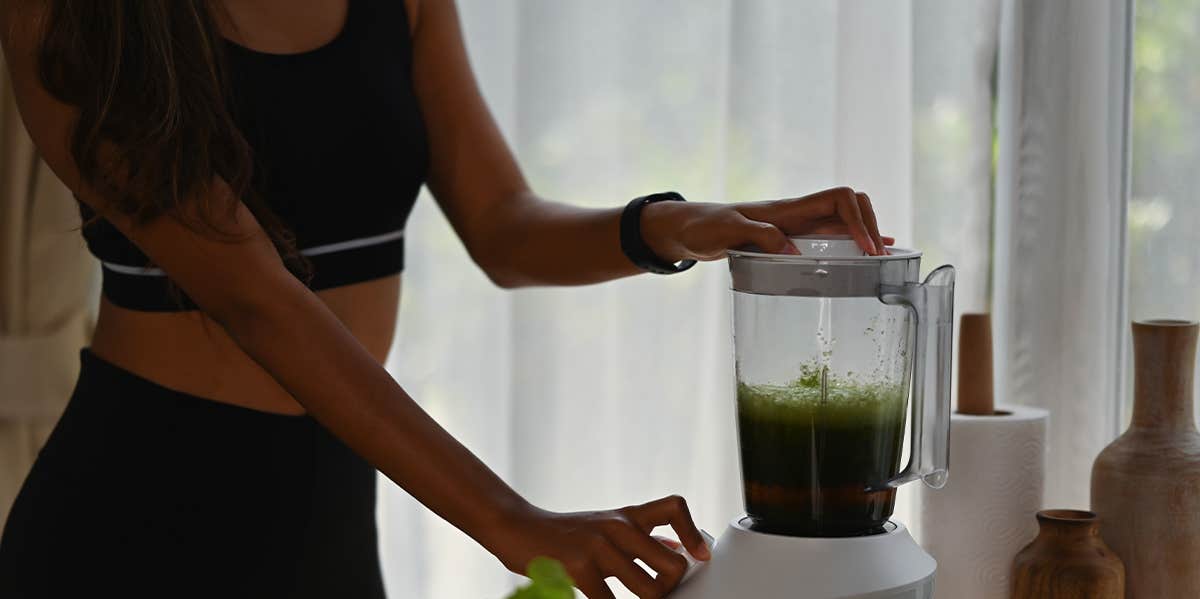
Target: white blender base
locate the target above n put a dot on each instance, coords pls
(745, 563)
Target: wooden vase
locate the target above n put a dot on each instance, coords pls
(1067, 560)
(1146, 484)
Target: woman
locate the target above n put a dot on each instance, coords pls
(246, 168)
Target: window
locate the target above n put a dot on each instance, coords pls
(1164, 206)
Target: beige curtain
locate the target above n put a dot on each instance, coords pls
(48, 285)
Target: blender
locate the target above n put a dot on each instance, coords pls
(838, 354)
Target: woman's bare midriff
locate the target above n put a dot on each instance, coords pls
(189, 352)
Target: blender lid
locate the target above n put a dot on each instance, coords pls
(827, 266)
(827, 248)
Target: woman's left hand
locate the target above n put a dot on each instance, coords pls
(595, 546)
(698, 231)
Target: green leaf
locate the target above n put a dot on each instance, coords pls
(547, 580)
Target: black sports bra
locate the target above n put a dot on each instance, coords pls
(340, 154)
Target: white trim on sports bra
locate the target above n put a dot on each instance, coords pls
(316, 250)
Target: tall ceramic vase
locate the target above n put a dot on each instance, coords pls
(1067, 560)
(1146, 484)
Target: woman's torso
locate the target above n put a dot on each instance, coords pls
(325, 99)
(190, 352)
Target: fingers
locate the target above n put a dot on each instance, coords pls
(868, 216)
(593, 586)
(833, 226)
(848, 210)
(795, 213)
(766, 236)
(671, 510)
(799, 215)
(614, 562)
(668, 565)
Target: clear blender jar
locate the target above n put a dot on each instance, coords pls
(837, 353)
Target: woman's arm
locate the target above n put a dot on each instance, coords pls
(283, 326)
(520, 239)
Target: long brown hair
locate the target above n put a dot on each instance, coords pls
(154, 131)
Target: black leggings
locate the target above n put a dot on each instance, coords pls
(143, 491)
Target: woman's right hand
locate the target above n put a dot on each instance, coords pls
(593, 546)
(701, 231)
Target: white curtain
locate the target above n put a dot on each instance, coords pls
(619, 393)
(1060, 226)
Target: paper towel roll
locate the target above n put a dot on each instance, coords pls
(977, 523)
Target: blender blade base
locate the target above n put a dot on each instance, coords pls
(745, 563)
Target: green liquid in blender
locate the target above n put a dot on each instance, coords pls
(815, 462)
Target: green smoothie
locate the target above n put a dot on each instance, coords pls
(817, 451)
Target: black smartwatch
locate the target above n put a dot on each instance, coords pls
(634, 245)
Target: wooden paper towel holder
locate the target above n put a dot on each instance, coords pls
(975, 394)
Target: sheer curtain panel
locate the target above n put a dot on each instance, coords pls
(1061, 187)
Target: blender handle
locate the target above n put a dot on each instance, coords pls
(932, 306)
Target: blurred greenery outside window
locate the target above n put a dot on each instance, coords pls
(1164, 211)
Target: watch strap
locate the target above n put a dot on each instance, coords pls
(633, 244)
